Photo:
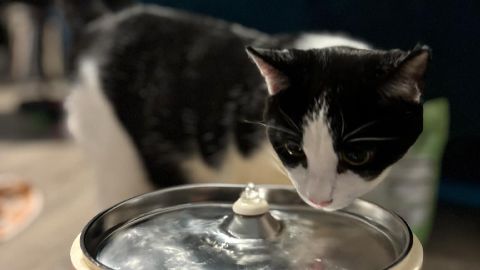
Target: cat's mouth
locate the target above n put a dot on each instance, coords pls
(318, 204)
(321, 204)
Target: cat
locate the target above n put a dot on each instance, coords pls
(164, 97)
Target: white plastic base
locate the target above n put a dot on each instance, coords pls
(414, 259)
(78, 259)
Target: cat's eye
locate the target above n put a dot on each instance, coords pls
(356, 158)
(294, 149)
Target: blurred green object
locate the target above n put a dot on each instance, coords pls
(433, 139)
(410, 189)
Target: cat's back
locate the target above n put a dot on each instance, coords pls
(171, 36)
(155, 87)
(170, 56)
(177, 83)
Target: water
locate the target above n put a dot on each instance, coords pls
(192, 238)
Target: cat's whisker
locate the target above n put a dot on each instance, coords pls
(291, 132)
(288, 119)
(343, 124)
(373, 139)
(362, 127)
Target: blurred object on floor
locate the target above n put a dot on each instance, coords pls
(60, 171)
(27, 115)
(20, 204)
(410, 188)
(31, 107)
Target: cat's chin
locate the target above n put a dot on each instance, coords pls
(330, 206)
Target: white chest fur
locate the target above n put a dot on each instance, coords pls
(93, 123)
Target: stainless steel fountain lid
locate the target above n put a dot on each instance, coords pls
(194, 227)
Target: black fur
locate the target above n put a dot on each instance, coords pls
(181, 83)
(352, 84)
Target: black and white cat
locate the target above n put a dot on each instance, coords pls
(167, 97)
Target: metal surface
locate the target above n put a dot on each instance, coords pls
(211, 237)
(253, 227)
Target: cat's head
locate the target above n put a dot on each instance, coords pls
(338, 117)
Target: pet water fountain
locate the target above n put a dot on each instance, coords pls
(237, 227)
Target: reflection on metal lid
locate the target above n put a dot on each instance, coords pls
(207, 234)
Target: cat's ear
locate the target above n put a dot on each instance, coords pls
(269, 63)
(407, 79)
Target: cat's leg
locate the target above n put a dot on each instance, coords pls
(92, 121)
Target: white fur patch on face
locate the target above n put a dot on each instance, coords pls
(319, 179)
(320, 185)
